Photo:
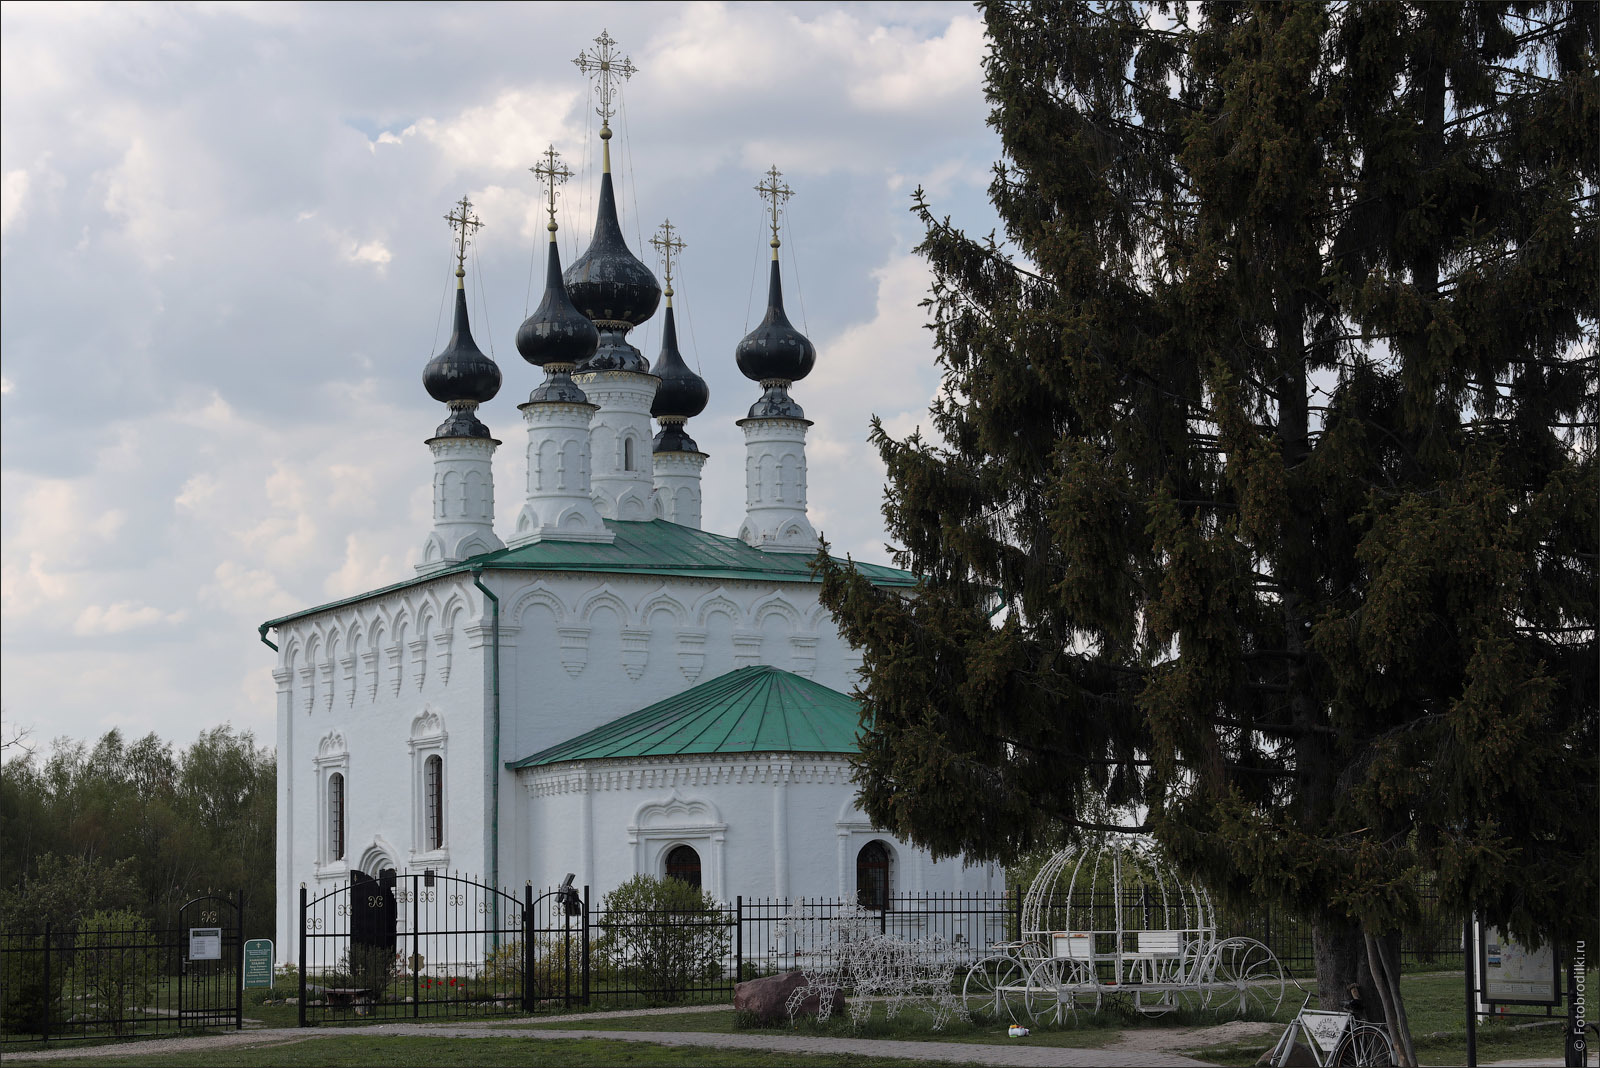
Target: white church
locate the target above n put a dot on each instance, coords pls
(598, 686)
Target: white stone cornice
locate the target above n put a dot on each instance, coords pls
(654, 773)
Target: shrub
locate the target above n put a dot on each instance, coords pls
(115, 964)
(27, 1002)
(371, 966)
(662, 935)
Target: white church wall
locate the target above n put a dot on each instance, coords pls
(766, 825)
(369, 691)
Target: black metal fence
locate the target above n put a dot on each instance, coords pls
(116, 976)
(411, 946)
(428, 945)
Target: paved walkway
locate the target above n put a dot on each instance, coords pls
(1021, 1055)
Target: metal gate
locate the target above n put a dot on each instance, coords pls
(411, 946)
(556, 948)
(211, 975)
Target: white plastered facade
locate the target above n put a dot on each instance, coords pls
(370, 689)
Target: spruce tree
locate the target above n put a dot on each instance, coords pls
(1261, 503)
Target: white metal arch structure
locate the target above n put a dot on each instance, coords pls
(1113, 918)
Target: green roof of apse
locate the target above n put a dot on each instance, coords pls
(653, 547)
(757, 709)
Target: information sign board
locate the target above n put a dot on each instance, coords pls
(1513, 974)
(258, 962)
(205, 943)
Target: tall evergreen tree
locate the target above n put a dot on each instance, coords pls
(1272, 426)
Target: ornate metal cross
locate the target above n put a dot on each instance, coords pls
(464, 223)
(552, 173)
(775, 193)
(667, 246)
(605, 69)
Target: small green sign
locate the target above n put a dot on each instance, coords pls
(258, 962)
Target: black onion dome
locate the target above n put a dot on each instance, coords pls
(608, 282)
(775, 351)
(682, 393)
(462, 375)
(557, 332)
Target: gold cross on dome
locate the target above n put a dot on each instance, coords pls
(605, 69)
(552, 173)
(774, 193)
(668, 246)
(463, 222)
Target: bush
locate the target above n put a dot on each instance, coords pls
(552, 955)
(371, 967)
(662, 935)
(115, 964)
(27, 1002)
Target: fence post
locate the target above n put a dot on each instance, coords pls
(416, 949)
(738, 939)
(586, 943)
(48, 1000)
(304, 964)
(238, 948)
(527, 947)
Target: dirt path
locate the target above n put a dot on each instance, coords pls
(1172, 1039)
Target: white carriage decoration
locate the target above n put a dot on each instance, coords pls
(1114, 920)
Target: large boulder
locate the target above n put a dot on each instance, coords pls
(767, 998)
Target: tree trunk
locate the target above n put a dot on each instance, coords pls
(1340, 952)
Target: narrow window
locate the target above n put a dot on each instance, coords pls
(433, 798)
(336, 816)
(627, 454)
(872, 876)
(683, 864)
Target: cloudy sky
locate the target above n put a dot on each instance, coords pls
(225, 261)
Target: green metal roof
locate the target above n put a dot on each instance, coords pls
(751, 710)
(655, 547)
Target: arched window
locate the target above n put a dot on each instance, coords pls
(627, 454)
(433, 800)
(336, 816)
(872, 876)
(683, 864)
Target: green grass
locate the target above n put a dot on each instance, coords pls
(1435, 1006)
(405, 1052)
(911, 1025)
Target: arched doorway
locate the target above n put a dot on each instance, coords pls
(683, 864)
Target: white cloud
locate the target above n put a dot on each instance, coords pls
(6, 386)
(119, 617)
(885, 367)
(904, 73)
(373, 252)
(13, 189)
(504, 134)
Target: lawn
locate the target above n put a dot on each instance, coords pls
(1433, 1004)
(402, 1051)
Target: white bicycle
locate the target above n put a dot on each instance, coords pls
(1335, 1038)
